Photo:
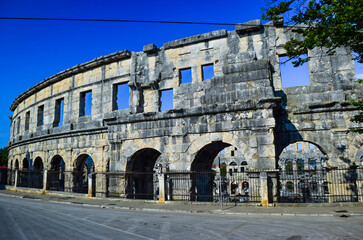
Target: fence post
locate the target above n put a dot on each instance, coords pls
(45, 181)
(90, 185)
(331, 184)
(16, 181)
(264, 189)
(162, 185)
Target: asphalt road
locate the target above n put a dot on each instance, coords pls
(34, 219)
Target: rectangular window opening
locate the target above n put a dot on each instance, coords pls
(166, 100)
(13, 128)
(207, 71)
(18, 126)
(85, 104)
(299, 146)
(120, 96)
(59, 110)
(293, 76)
(27, 119)
(185, 75)
(40, 119)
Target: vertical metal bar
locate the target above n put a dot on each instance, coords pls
(220, 182)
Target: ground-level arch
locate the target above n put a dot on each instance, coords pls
(140, 174)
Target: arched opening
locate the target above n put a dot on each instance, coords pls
(24, 174)
(56, 174)
(302, 173)
(38, 164)
(203, 176)
(232, 168)
(16, 165)
(37, 173)
(244, 166)
(141, 175)
(25, 164)
(83, 167)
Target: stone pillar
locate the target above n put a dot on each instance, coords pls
(162, 185)
(264, 189)
(16, 181)
(101, 184)
(45, 181)
(68, 181)
(90, 185)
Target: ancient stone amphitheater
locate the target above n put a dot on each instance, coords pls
(110, 118)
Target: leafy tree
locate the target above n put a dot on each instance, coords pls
(4, 156)
(326, 24)
(223, 169)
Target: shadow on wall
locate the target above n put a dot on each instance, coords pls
(286, 132)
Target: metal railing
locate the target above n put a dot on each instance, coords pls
(29, 178)
(132, 185)
(292, 186)
(319, 186)
(236, 187)
(56, 180)
(11, 177)
(345, 184)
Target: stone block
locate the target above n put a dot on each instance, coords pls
(150, 48)
(247, 27)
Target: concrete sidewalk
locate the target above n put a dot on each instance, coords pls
(339, 210)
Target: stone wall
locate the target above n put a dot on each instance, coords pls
(243, 105)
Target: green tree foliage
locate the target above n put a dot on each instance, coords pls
(326, 24)
(223, 169)
(4, 156)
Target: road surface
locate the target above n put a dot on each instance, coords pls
(35, 219)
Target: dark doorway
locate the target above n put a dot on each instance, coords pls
(16, 167)
(24, 174)
(202, 174)
(141, 175)
(37, 173)
(56, 174)
(84, 166)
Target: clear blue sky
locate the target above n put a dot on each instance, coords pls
(34, 50)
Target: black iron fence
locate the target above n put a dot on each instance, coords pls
(190, 186)
(319, 186)
(80, 182)
(292, 186)
(56, 180)
(345, 185)
(11, 177)
(237, 187)
(28, 178)
(132, 185)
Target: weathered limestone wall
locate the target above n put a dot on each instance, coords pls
(243, 105)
